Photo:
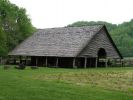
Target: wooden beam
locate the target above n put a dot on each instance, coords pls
(57, 61)
(74, 66)
(85, 63)
(96, 62)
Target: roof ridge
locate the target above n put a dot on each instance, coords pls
(71, 27)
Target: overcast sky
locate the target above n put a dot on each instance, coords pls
(59, 13)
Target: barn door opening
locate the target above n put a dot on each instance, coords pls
(101, 53)
(101, 57)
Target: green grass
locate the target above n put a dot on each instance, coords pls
(66, 84)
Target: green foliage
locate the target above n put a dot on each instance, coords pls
(122, 34)
(3, 47)
(15, 26)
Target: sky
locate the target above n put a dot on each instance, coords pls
(60, 13)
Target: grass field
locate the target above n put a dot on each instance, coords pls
(66, 84)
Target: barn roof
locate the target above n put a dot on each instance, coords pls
(61, 42)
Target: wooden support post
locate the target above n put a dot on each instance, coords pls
(106, 62)
(74, 66)
(85, 63)
(57, 62)
(46, 62)
(36, 61)
(96, 62)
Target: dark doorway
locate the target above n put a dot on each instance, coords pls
(101, 53)
(101, 57)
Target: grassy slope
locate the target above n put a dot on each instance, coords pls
(66, 84)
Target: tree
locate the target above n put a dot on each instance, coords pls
(15, 26)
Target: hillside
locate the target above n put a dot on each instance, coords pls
(122, 34)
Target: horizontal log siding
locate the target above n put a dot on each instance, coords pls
(100, 40)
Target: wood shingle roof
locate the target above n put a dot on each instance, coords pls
(60, 42)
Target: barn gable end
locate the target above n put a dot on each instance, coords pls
(101, 40)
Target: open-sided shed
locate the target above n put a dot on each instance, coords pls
(69, 47)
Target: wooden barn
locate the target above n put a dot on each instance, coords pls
(77, 47)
